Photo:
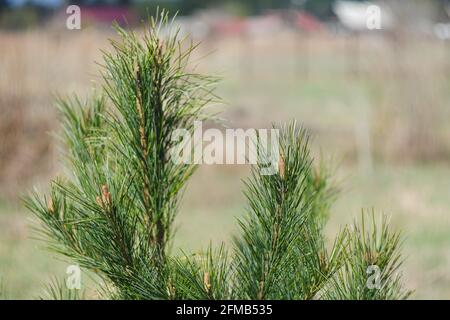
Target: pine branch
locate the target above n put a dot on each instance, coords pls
(204, 276)
(114, 211)
(278, 208)
(150, 89)
(371, 270)
(313, 264)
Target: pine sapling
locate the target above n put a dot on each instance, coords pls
(114, 209)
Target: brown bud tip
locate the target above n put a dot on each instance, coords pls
(281, 167)
(105, 199)
(371, 257)
(108, 197)
(261, 290)
(99, 201)
(170, 289)
(322, 260)
(206, 281)
(50, 207)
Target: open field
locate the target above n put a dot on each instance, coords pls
(378, 107)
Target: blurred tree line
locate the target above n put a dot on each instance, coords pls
(319, 8)
(31, 12)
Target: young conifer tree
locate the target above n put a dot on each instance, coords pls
(113, 212)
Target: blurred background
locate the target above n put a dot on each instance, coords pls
(371, 84)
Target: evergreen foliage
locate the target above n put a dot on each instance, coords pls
(113, 212)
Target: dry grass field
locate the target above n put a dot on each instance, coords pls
(376, 106)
